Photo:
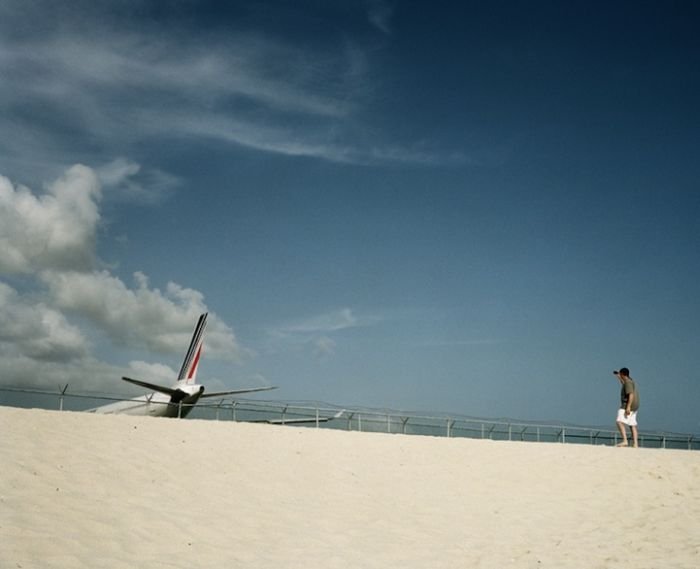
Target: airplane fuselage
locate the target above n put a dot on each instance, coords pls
(156, 404)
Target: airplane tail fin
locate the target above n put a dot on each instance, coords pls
(188, 371)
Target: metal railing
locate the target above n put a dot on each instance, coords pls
(323, 415)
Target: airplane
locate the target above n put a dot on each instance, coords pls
(179, 399)
(300, 420)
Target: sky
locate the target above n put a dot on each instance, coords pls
(463, 207)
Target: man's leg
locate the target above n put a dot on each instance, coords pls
(623, 433)
(635, 443)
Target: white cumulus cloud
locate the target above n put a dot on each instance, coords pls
(55, 230)
(48, 244)
(36, 330)
(140, 316)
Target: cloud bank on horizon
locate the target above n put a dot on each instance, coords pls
(48, 242)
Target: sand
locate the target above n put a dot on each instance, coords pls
(99, 491)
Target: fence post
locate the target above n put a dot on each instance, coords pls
(60, 399)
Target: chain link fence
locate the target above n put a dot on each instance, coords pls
(323, 415)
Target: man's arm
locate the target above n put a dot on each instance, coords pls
(630, 400)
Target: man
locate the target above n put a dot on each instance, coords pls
(629, 404)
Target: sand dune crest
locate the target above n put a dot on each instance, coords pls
(86, 491)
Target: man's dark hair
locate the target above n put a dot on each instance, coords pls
(624, 371)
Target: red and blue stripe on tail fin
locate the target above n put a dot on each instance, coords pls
(188, 371)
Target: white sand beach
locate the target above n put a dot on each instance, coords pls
(104, 492)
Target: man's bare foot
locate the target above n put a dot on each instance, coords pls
(622, 444)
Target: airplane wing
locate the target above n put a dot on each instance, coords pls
(236, 391)
(167, 390)
(300, 420)
(170, 391)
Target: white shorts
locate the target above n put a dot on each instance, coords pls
(630, 420)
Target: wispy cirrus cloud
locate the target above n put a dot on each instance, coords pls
(318, 333)
(380, 13)
(124, 85)
(70, 88)
(322, 323)
(126, 180)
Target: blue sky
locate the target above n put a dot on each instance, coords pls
(475, 208)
